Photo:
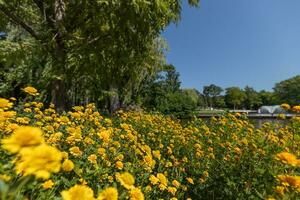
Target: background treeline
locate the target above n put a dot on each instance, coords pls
(165, 95)
(287, 91)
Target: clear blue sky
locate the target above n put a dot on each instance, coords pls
(236, 43)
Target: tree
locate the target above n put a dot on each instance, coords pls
(179, 104)
(268, 98)
(211, 92)
(172, 79)
(193, 94)
(234, 97)
(288, 91)
(166, 81)
(219, 102)
(105, 45)
(252, 99)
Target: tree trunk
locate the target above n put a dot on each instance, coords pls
(58, 95)
(58, 90)
(114, 101)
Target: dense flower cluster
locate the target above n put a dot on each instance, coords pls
(134, 155)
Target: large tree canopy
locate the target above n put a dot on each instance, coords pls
(106, 45)
(288, 91)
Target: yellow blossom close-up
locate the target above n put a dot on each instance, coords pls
(78, 192)
(126, 180)
(40, 161)
(21, 138)
(108, 194)
(30, 90)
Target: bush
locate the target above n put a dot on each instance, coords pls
(178, 104)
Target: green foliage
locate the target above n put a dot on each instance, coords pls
(288, 91)
(193, 94)
(211, 92)
(268, 98)
(234, 97)
(179, 104)
(219, 102)
(252, 99)
(91, 48)
(164, 94)
(166, 81)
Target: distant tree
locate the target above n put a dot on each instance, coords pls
(219, 102)
(252, 99)
(234, 97)
(201, 101)
(267, 98)
(288, 91)
(179, 104)
(193, 94)
(164, 94)
(154, 90)
(172, 82)
(211, 92)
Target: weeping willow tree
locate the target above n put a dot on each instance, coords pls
(82, 50)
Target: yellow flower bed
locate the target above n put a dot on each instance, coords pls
(133, 155)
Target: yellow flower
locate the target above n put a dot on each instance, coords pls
(68, 165)
(48, 184)
(126, 180)
(287, 158)
(23, 137)
(119, 165)
(110, 179)
(153, 180)
(162, 179)
(271, 198)
(172, 190)
(101, 151)
(285, 106)
(12, 99)
(157, 154)
(5, 177)
(65, 155)
(162, 187)
(136, 194)
(296, 108)
(108, 194)
(4, 103)
(92, 158)
(281, 116)
(8, 114)
(205, 174)
(175, 183)
(280, 190)
(237, 150)
(288, 180)
(190, 180)
(31, 90)
(105, 135)
(75, 151)
(78, 192)
(39, 161)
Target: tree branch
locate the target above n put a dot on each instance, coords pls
(18, 21)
